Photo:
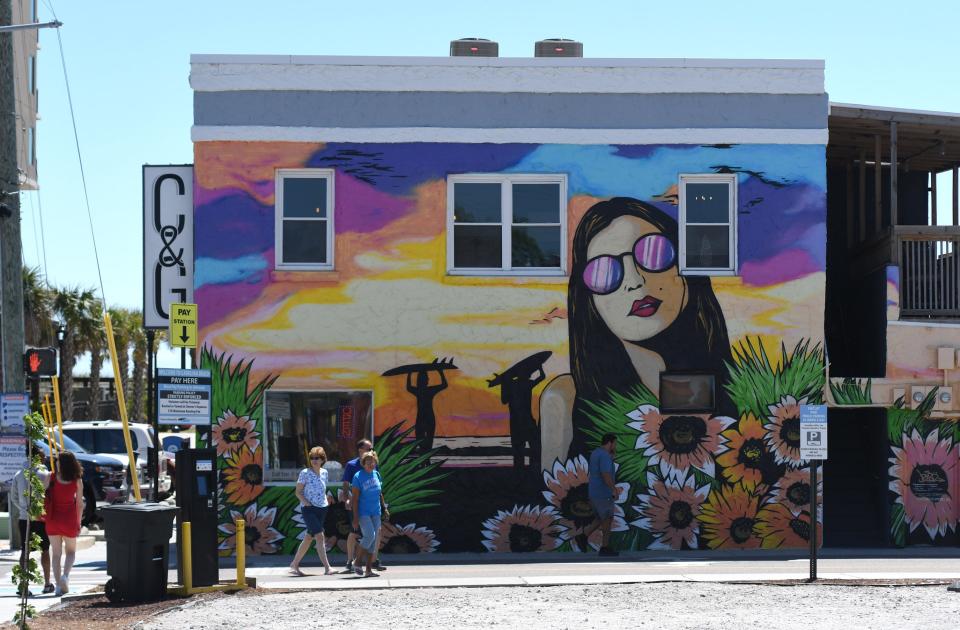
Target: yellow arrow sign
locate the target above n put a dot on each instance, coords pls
(183, 325)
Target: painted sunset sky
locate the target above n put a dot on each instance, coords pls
(390, 302)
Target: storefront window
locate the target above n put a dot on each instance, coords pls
(297, 421)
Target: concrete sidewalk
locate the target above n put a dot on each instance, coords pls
(486, 569)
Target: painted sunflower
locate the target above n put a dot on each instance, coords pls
(670, 511)
(568, 492)
(407, 539)
(925, 481)
(243, 476)
(260, 535)
(728, 518)
(793, 490)
(677, 442)
(524, 528)
(747, 461)
(232, 432)
(779, 528)
(783, 431)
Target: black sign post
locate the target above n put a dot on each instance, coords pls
(813, 519)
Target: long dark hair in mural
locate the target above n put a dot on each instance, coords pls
(516, 391)
(632, 315)
(424, 392)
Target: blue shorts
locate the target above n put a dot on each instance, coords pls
(603, 507)
(369, 525)
(314, 518)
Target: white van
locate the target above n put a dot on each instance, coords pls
(105, 437)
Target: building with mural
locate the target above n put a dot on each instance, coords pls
(486, 264)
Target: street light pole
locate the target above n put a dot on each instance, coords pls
(11, 262)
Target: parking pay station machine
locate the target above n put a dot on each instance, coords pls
(197, 500)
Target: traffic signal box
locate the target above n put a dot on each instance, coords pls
(40, 362)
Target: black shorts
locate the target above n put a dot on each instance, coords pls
(36, 527)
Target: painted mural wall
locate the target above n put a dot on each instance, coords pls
(924, 434)
(490, 392)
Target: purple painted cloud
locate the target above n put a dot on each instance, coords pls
(783, 267)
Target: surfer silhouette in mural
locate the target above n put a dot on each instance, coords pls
(516, 392)
(632, 315)
(426, 422)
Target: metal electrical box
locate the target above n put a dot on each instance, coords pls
(197, 500)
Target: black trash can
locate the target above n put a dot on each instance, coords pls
(138, 550)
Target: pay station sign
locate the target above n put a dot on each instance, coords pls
(183, 396)
(13, 407)
(813, 432)
(183, 325)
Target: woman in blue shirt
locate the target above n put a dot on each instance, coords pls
(312, 493)
(368, 505)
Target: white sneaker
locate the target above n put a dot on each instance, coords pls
(64, 585)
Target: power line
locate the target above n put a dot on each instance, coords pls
(83, 177)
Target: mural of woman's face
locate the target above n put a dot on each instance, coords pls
(650, 293)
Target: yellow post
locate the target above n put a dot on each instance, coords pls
(241, 552)
(122, 403)
(187, 555)
(48, 423)
(56, 402)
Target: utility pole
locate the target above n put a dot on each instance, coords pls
(11, 263)
(11, 268)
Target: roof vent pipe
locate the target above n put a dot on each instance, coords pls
(474, 47)
(558, 47)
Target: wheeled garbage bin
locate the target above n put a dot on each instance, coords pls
(138, 550)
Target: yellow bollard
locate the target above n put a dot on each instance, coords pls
(241, 552)
(56, 402)
(122, 404)
(186, 554)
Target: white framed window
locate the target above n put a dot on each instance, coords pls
(304, 219)
(294, 421)
(708, 225)
(506, 224)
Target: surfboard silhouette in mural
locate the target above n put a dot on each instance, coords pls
(426, 421)
(516, 392)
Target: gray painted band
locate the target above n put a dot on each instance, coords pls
(493, 111)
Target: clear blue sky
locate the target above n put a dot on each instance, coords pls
(128, 64)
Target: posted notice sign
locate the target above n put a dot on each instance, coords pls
(13, 407)
(13, 456)
(183, 396)
(813, 431)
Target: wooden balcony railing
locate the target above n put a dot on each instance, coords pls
(929, 260)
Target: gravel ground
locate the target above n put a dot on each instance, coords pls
(660, 606)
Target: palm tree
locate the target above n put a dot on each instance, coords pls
(125, 323)
(138, 398)
(38, 315)
(76, 308)
(95, 343)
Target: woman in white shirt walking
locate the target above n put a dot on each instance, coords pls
(312, 493)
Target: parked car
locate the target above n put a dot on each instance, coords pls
(105, 437)
(104, 479)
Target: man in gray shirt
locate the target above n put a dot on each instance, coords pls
(18, 493)
(602, 490)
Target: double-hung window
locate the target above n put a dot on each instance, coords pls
(708, 225)
(304, 219)
(506, 224)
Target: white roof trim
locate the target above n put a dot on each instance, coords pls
(511, 62)
(547, 78)
(894, 110)
(503, 136)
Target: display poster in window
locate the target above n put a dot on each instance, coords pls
(346, 427)
(183, 396)
(13, 407)
(13, 456)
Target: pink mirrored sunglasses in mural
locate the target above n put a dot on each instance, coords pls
(652, 253)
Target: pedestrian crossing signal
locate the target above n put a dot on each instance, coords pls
(40, 362)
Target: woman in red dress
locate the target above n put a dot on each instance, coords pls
(64, 505)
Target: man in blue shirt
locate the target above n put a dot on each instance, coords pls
(349, 470)
(602, 490)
